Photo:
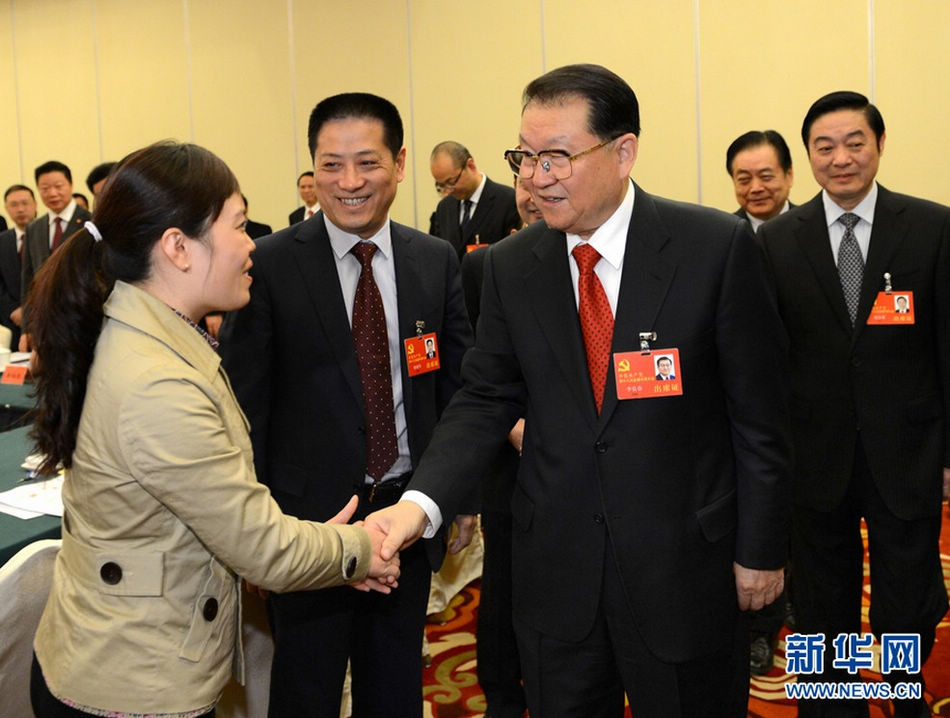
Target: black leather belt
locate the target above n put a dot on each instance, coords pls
(387, 491)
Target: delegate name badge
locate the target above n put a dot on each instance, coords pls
(422, 354)
(892, 308)
(648, 374)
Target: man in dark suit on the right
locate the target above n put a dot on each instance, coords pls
(473, 210)
(869, 400)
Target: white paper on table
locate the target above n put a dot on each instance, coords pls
(42, 497)
(18, 513)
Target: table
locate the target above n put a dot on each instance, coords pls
(15, 401)
(16, 533)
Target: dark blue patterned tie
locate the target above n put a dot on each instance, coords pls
(850, 264)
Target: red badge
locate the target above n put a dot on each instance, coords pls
(422, 354)
(648, 375)
(892, 308)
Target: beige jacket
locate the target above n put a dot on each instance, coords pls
(162, 515)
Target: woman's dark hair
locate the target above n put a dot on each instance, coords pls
(164, 185)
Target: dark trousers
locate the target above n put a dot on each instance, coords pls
(46, 705)
(315, 632)
(907, 590)
(588, 679)
(499, 668)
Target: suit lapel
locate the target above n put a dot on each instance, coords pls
(74, 224)
(644, 285)
(812, 237)
(317, 264)
(551, 296)
(482, 210)
(887, 234)
(408, 300)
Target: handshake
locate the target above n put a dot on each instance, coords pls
(390, 530)
(393, 529)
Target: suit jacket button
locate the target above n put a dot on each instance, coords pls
(210, 609)
(601, 447)
(350, 568)
(598, 518)
(111, 573)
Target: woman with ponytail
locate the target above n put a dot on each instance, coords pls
(163, 514)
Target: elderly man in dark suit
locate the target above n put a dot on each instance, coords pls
(761, 169)
(323, 361)
(760, 165)
(642, 525)
(54, 181)
(869, 400)
(474, 210)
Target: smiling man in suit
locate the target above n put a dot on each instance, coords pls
(45, 234)
(761, 169)
(474, 210)
(865, 447)
(338, 406)
(642, 526)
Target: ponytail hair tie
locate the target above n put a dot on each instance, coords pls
(94, 231)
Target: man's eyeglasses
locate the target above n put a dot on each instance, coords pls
(441, 187)
(558, 163)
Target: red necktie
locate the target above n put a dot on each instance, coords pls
(597, 321)
(57, 234)
(372, 353)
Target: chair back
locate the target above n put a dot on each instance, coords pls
(25, 582)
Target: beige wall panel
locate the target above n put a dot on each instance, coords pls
(143, 74)
(650, 45)
(241, 94)
(55, 55)
(763, 69)
(341, 47)
(11, 169)
(912, 58)
(470, 63)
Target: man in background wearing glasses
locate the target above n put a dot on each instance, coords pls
(473, 210)
(642, 525)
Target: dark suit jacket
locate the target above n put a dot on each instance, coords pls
(256, 230)
(9, 282)
(290, 356)
(892, 381)
(298, 215)
(36, 244)
(495, 216)
(684, 485)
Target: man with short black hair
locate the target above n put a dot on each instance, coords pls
(97, 178)
(305, 188)
(760, 165)
(324, 360)
(473, 210)
(54, 181)
(635, 545)
(20, 205)
(869, 399)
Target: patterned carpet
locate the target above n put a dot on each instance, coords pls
(451, 688)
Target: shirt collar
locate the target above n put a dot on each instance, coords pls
(610, 238)
(342, 242)
(477, 194)
(864, 209)
(66, 214)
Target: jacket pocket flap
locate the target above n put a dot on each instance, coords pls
(718, 518)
